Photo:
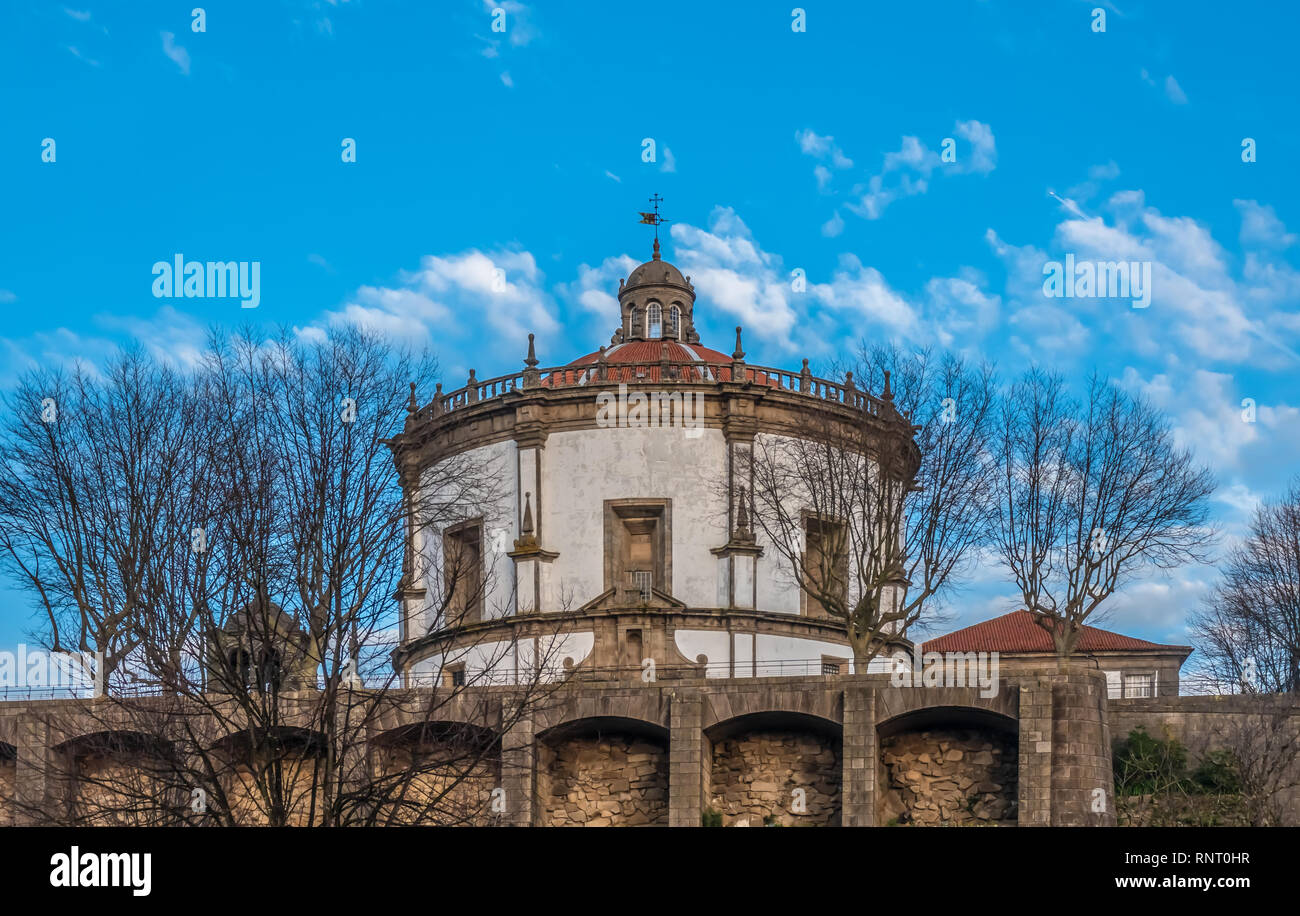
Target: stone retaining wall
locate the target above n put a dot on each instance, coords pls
(949, 777)
(605, 781)
(791, 778)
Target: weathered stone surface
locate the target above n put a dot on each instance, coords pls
(604, 781)
(789, 778)
(948, 777)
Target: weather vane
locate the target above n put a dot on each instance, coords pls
(654, 219)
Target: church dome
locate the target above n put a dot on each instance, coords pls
(657, 272)
(656, 302)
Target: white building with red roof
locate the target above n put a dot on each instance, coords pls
(1134, 668)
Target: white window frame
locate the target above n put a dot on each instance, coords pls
(654, 321)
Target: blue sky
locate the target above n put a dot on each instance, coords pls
(774, 149)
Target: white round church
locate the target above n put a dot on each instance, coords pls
(619, 537)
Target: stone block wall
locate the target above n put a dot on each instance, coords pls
(949, 777)
(452, 786)
(8, 785)
(1083, 779)
(603, 781)
(791, 778)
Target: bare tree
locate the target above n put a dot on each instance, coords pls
(87, 494)
(277, 536)
(1249, 627)
(875, 513)
(1089, 494)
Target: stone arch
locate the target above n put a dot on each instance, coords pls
(827, 705)
(436, 773)
(640, 708)
(948, 765)
(603, 771)
(774, 766)
(269, 775)
(121, 778)
(463, 708)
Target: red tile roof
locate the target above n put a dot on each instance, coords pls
(638, 360)
(1018, 632)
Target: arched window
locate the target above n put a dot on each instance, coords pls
(655, 320)
(633, 325)
(675, 323)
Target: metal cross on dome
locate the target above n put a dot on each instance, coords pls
(654, 219)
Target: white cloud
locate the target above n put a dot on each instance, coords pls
(520, 30)
(812, 144)
(1260, 226)
(1199, 304)
(670, 161)
(507, 81)
(1174, 91)
(833, 226)
(77, 54)
(906, 172)
(457, 297)
(178, 55)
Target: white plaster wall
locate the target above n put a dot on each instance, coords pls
(583, 468)
(500, 528)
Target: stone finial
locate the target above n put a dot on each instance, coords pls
(656, 257)
(438, 406)
(805, 378)
(527, 529)
(739, 354)
(471, 395)
(532, 378)
(411, 405)
(888, 393)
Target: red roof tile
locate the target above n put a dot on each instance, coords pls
(1018, 632)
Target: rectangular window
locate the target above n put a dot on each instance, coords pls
(454, 676)
(830, 668)
(1139, 686)
(825, 565)
(638, 549)
(463, 572)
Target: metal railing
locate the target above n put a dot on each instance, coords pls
(650, 372)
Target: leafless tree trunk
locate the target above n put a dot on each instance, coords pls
(876, 515)
(1088, 494)
(266, 530)
(1249, 628)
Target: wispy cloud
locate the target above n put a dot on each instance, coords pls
(178, 55)
(906, 172)
(1174, 91)
(73, 50)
